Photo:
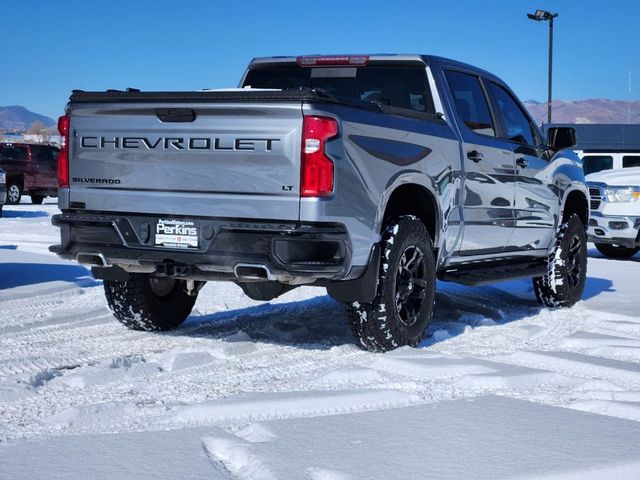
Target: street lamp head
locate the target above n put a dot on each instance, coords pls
(541, 15)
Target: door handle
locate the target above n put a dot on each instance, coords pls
(522, 162)
(474, 155)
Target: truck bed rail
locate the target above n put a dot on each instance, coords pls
(248, 96)
(121, 96)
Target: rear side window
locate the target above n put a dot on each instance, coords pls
(516, 124)
(596, 163)
(10, 152)
(401, 87)
(281, 78)
(471, 103)
(629, 161)
(42, 154)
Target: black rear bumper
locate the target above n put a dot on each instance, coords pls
(318, 251)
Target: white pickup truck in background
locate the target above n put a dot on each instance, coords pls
(614, 223)
(611, 160)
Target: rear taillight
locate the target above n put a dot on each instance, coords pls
(317, 168)
(63, 156)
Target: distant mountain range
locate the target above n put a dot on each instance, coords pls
(18, 118)
(600, 110)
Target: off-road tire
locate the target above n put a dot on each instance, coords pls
(563, 284)
(137, 306)
(616, 251)
(378, 326)
(14, 193)
(37, 199)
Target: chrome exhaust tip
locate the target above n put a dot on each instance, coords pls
(253, 271)
(93, 259)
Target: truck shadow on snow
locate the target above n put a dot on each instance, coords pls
(22, 274)
(595, 286)
(12, 213)
(319, 323)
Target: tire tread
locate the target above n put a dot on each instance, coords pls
(370, 322)
(131, 305)
(546, 287)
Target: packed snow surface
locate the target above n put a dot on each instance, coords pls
(501, 387)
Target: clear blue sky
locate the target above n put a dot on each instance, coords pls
(52, 47)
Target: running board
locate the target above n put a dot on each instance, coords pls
(491, 271)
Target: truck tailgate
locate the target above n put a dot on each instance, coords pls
(238, 160)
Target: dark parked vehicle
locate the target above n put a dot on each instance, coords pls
(3, 189)
(31, 170)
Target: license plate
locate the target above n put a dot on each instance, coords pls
(176, 233)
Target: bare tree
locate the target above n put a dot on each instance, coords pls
(42, 133)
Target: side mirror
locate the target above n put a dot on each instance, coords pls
(560, 138)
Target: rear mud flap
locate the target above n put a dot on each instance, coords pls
(362, 289)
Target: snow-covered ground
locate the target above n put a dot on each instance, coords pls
(500, 389)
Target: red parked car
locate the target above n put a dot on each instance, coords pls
(31, 169)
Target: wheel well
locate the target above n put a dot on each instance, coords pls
(19, 179)
(412, 199)
(576, 203)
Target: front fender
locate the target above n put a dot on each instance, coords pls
(569, 178)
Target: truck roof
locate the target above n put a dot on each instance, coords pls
(598, 136)
(377, 58)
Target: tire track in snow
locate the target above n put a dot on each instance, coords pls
(298, 346)
(576, 365)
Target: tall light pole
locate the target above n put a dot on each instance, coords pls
(540, 16)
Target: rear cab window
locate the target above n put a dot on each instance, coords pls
(14, 152)
(42, 154)
(470, 102)
(596, 163)
(396, 86)
(630, 161)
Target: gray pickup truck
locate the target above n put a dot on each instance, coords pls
(369, 175)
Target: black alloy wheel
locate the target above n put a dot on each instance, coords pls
(574, 261)
(411, 285)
